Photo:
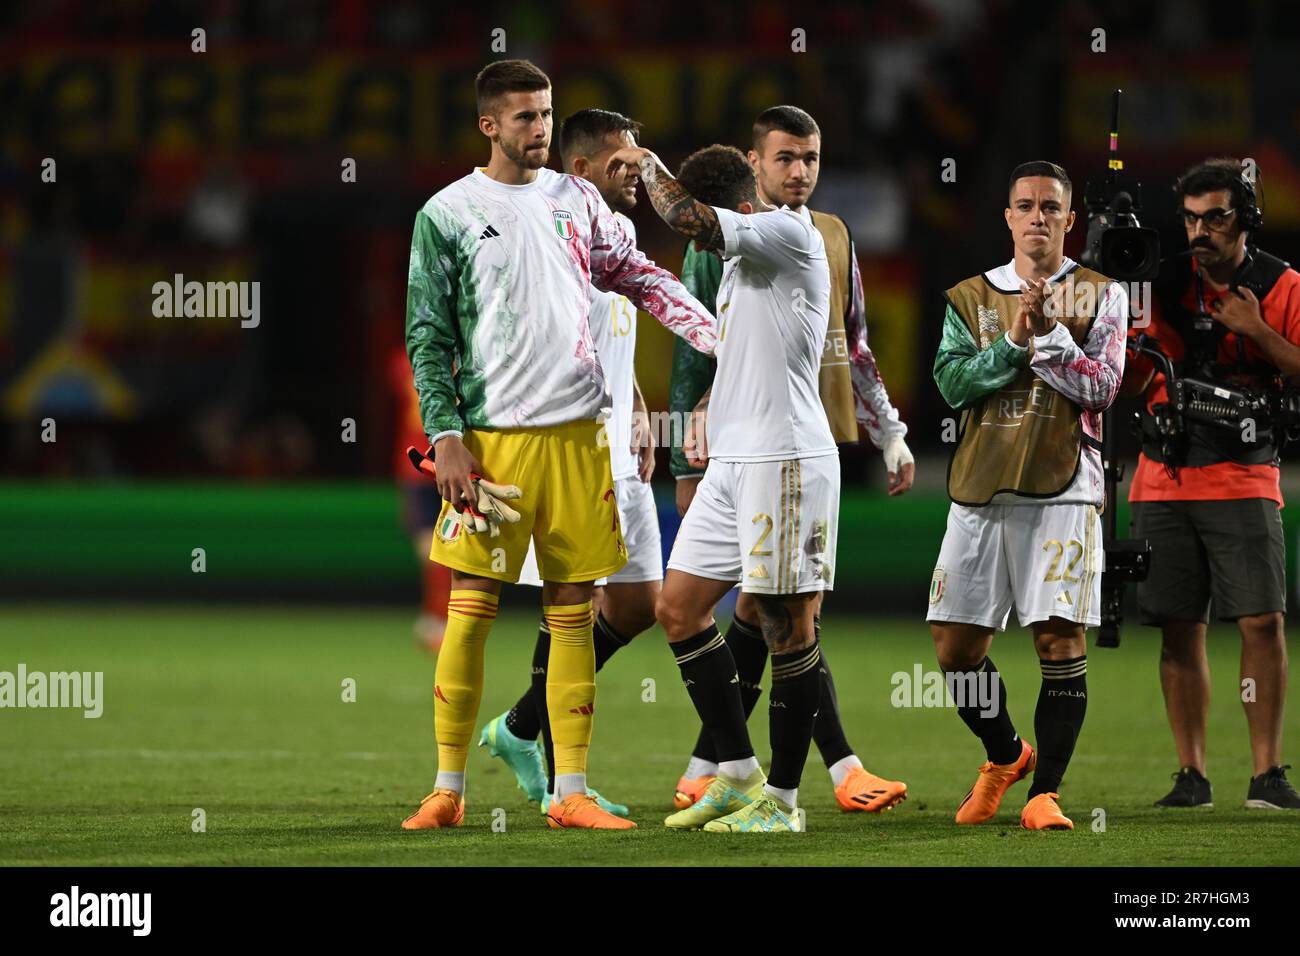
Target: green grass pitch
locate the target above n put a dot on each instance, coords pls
(239, 711)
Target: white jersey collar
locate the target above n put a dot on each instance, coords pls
(485, 179)
(1005, 279)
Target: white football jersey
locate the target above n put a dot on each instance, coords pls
(500, 286)
(772, 311)
(613, 328)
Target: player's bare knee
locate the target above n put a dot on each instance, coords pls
(786, 621)
(1182, 642)
(460, 581)
(630, 620)
(957, 647)
(674, 618)
(632, 608)
(1059, 640)
(957, 656)
(1261, 628)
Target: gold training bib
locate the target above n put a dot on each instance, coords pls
(1026, 437)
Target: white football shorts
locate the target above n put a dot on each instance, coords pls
(769, 525)
(639, 517)
(1045, 559)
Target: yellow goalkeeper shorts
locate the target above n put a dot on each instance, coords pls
(568, 507)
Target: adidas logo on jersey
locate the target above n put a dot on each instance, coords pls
(490, 233)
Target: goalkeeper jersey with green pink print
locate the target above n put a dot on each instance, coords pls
(499, 297)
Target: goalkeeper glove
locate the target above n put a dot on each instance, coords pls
(489, 509)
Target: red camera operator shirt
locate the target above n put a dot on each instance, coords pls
(1226, 480)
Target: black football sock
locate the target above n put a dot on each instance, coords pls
(541, 657)
(749, 651)
(525, 718)
(1062, 702)
(995, 730)
(828, 732)
(606, 640)
(709, 672)
(792, 712)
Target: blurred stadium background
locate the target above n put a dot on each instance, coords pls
(176, 433)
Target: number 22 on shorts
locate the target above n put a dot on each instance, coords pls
(1054, 570)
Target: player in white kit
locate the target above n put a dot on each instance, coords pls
(767, 510)
(625, 601)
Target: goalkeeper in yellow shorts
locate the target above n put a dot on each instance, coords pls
(511, 393)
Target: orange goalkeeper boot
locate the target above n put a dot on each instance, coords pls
(690, 789)
(863, 790)
(442, 808)
(581, 811)
(982, 801)
(1043, 813)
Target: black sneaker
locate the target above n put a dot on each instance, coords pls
(1190, 790)
(1271, 790)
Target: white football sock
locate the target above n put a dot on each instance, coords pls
(840, 768)
(446, 780)
(739, 769)
(697, 768)
(567, 784)
(789, 797)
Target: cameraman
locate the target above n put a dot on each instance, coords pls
(1227, 313)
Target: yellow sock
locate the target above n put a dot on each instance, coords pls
(458, 681)
(570, 684)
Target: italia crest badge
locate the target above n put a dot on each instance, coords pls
(563, 223)
(449, 526)
(938, 581)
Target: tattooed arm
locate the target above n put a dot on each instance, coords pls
(685, 214)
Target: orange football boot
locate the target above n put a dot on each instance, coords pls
(581, 811)
(982, 801)
(442, 808)
(690, 789)
(1043, 813)
(863, 790)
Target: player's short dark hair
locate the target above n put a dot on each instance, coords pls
(1039, 167)
(584, 132)
(719, 176)
(506, 76)
(1222, 172)
(787, 119)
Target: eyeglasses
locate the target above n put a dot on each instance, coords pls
(1215, 220)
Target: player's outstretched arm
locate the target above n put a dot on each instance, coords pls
(685, 214)
(1089, 376)
(617, 265)
(964, 372)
